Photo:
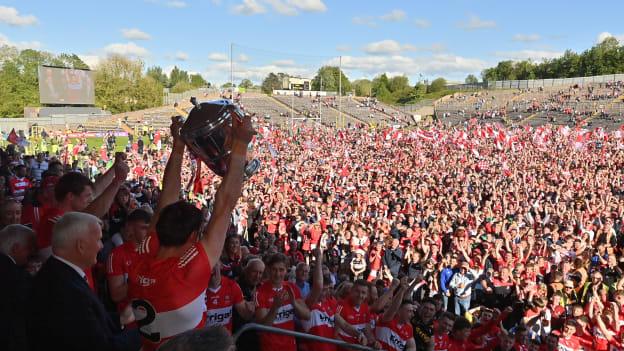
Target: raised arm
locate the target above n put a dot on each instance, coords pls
(317, 279)
(172, 177)
(100, 206)
(396, 304)
(229, 190)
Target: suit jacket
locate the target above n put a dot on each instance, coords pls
(15, 282)
(66, 315)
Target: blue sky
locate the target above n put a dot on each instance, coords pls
(416, 38)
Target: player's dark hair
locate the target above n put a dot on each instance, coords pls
(361, 282)
(207, 339)
(277, 258)
(71, 183)
(461, 323)
(177, 222)
(139, 215)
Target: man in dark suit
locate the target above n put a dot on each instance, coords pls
(65, 314)
(17, 244)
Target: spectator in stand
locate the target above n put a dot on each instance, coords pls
(64, 313)
(19, 184)
(223, 296)
(278, 302)
(17, 245)
(10, 213)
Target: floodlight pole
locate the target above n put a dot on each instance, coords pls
(320, 97)
(340, 91)
(232, 70)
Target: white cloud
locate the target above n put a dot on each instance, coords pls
(283, 8)
(177, 4)
(526, 37)
(383, 47)
(364, 21)
(292, 7)
(309, 5)
(438, 64)
(343, 48)
(217, 56)
(91, 60)
(284, 63)
(242, 58)
(422, 23)
(389, 46)
(604, 35)
(126, 49)
(20, 45)
(12, 17)
(249, 7)
(181, 56)
(474, 22)
(135, 34)
(534, 55)
(394, 16)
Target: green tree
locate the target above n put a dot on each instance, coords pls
(197, 81)
(438, 84)
(246, 83)
(471, 79)
(273, 82)
(177, 75)
(226, 85)
(362, 87)
(331, 77)
(398, 83)
(120, 86)
(158, 75)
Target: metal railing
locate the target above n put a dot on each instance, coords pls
(299, 335)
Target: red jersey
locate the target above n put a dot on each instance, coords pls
(358, 317)
(284, 318)
(119, 262)
(441, 342)
(219, 303)
(570, 344)
(168, 294)
(321, 323)
(18, 187)
(393, 336)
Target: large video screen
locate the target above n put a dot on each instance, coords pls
(65, 86)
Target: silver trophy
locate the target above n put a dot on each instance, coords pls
(207, 130)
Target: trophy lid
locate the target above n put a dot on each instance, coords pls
(206, 116)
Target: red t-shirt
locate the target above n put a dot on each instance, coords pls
(358, 317)
(285, 318)
(219, 303)
(441, 342)
(119, 262)
(393, 336)
(321, 323)
(571, 344)
(168, 294)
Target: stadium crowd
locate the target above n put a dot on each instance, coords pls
(478, 238)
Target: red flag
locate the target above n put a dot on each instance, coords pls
(197, 184)
(13, 138)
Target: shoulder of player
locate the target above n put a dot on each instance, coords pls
(189, 255)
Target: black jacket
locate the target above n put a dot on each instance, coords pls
(66, 315)
(15, 282)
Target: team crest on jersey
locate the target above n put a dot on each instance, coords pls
(215, 300)
(145, 281)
